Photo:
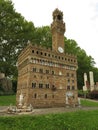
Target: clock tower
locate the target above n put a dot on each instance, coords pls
(58, 29)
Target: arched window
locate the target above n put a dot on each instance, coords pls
(72, 75)
(73, 87)
(68, 87)
(41, 53)
(33, 85)
(35, 95)
(47, 71)
(34, 69)
(40, 85)
(45, 95)
(37, 52)
(47, 85)
(45, 54)
(32, 51)
(52, 72)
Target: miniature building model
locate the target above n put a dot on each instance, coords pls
(47, 77)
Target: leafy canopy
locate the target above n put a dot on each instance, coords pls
(15, 32)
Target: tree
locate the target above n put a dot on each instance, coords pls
(15, 31)
(43, 36)
(95, 71)
(71, 46)
(85, 62)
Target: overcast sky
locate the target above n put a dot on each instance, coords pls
(80, 16)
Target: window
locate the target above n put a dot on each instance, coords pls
(32, 51)
(41, 70)
(55, 56)
(52, 72)
(68, 80)
(41, 53)
(72, 75)
(34, 69)
(45, 54)
(40, 85)
(47, 71)
(73, 87)
(35, 95)
(52, 55)
(37, 52)
(47, 85)
(68, 87)
(59, 57)
(34, 76)
(53, 88)
(72, 81)
(33, 85)
(45, 95)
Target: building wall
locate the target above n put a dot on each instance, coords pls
(53, 74)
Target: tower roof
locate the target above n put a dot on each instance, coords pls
(57, 12)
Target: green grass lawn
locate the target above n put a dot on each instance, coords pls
(85, 102)
(7, 100)
(80, 120)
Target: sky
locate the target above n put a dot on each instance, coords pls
(80, 16)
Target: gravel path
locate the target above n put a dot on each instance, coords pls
(43, 111)
(61, 110)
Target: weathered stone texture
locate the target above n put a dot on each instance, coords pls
(45, 75)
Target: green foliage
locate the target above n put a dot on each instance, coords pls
(85, 62)
(71, 46)
(1, 87)
(95, 71)
(15, 32)
(14, 85)
(7, 100)
(43, 36)
(80, 120)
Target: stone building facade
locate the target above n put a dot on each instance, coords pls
(47, 77)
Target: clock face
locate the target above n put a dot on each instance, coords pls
(60, 49)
